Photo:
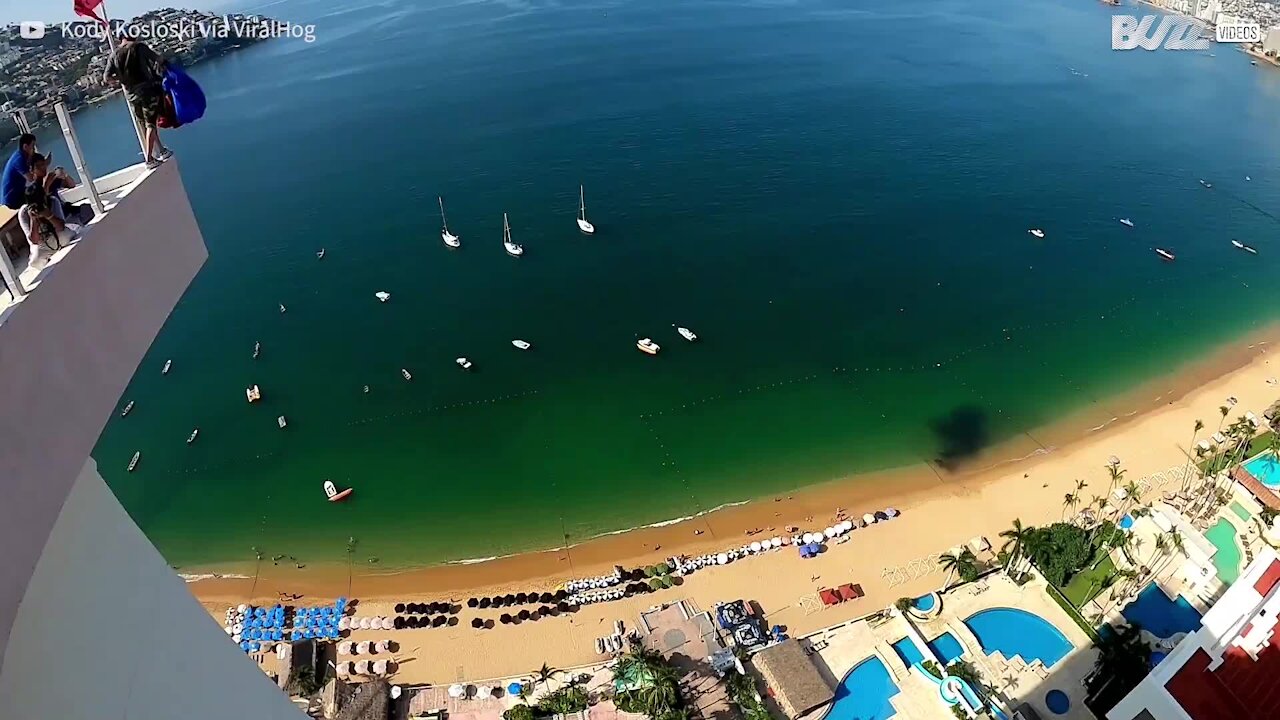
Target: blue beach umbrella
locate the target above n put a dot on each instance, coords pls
(333, 633)
(254, 647)
(260, 612)
(514, 688)
(297, 635)
(244, 646)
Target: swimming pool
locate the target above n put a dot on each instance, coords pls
(1010, 632)
(945, 646)
(1265, 468)
(925, 603)
(864, 693)
(1240, 511)
(1227, 559)
(1162, 617)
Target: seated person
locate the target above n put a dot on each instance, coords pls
(53, 182)
(44, 230)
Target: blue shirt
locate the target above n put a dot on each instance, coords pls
(13, 185)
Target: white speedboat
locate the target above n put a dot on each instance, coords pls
(463, 363)
(366, 388)
(583, 225)
(320, 255)
(449, 238)
(687, 334)
(126, 409)
(331, 492)
(521, 344)
(1246, 177)
(280, 421)
(281, 307)
(1206, 184)
(167, 364)
(1126, 221)
(1036, 232)
(257, 348)
(1164, 254)
(648, 346)
(1244, 247)
(512, 249)
(192, 437)
(382, 296)
(134, 462)
(253, 394)
(1238, 244)
(406, 374)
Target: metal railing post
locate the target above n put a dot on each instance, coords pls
(10, 274)
(77, 155)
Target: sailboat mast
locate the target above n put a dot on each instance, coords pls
(443, 222)
(582, 203)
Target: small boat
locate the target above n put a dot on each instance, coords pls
(366, 388)
(257, 348)
(134, 462)
(449, 238)
(583, 225)
(1253, 62)
(1037, 232)
(406, 374)
(320, 255)
(648, 346)
(1126, 221)
(1164, 254)
(1238, 244)
(382, 295)
(280, 421)
(1206, 184)
(126, 409)
(331, 492)
(281, 307)
(1244, 247)
(192, 437)
(167, 364)
(1247, 178)
(512, 249)
(521, 344)
(463, 363)
(253, 394)
(687, 334)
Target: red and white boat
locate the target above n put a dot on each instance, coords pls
(331, 491)
(1164, 254)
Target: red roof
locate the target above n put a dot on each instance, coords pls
(1268, 579)
(1240, 688)
(829, 597)
(1265, 495)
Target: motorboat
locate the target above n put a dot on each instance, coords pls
(1247, 178)
(382, 295)
(449, 238)
(1238, 244)
(1037, 232)
(1126, 221)
(1244, 247)
(192, 437)
(282, 307)
(126, 409)
(134, 462)
(280, 421)
(512, 249)
(1164, 254)
(1206, 184)
(687, 334)
(521, 344)
(320, 255)
(366, 388)
(257, 348)
(331, 491)
(583, 225)
(463, 363)
(253, 394)
(406, 374)
(167, 364)
(648, 346)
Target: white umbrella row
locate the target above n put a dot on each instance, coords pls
(364, 647)
(366, 623)
(458, 691)
(365, 667)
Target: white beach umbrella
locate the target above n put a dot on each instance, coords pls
(229, 630)
(829, 532)
(385, 623)
(242, 607)
(235, 638)
(344, 623)
(396, 692)
(237, 628)
(362, 648)
(483, 692)
(807, 537)
(722, 559)
(847, 525)
(342, 669)
(755, 547)
(384, 646)
(344, 648)
(776, 542)
(869, 519)
(380, 667)
(362, 667)
(366, 623)
(457, 691)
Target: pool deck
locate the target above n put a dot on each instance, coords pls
(844, 646)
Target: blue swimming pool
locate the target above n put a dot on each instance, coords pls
(925, 603)
(1162, 617)
(1010, 632)
(1265, 468)
(864, 693)
(945, 646)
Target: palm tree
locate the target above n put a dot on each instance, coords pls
(1069, 502)
(1124, 658)
(1015, 541)
(1096, 503)
(1186, 471)
(964, 564)
(657, 692)
(543, 674)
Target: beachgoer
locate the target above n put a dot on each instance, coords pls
(141, 72)
(17, 173)
(52, 182)
(43, 229)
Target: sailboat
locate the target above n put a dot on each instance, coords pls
(513, 249)
(167, 364)
(449, 238)
(583, 225)
(281, 307)
(1243, 247)
(127, 408)
(192, 437)
(257, 348)
(331, 492)
(320, 255)
(1126, 221)
(1206, 184)
(134, 462)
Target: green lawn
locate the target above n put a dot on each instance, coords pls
(1257, 445)
(1089, 582)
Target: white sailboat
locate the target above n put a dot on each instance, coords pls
(583, 225)
(521, 344)
(320, 255)
(1206, 184)
(1244, 247)
(167, 364)
(1126, 221)
(192, 437)
(449, 238)
(512, 249)
(134, 462)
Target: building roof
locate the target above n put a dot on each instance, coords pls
(368, 701)
(1265, 495)
(792, 678)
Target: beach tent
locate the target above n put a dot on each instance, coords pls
(828, 597)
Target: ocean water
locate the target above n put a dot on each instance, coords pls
(834, 196)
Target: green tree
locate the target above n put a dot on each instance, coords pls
(903, 604)
(964, 564)
(1124, 659)
(1069, 502)
(519, 712)
(569, 699)
(1186, 474)
(1015, 543)
(657, 692)
(543, 674)
(1060, 550)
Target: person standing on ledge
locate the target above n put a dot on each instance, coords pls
(17, 173)
(141, 72)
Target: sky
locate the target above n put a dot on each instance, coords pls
(14, 11)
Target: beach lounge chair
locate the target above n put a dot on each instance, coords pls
(1219, 438)
(829, 597)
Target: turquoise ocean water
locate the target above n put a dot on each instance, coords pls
(834, 195)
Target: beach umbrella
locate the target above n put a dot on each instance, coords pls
(396, 692)
(846, 526)
(236, 638)
(344, 648)
(399, 607)
(472, 602)
(241, 607)
(366, 623)
(891, 512)
(722, 559)
(383, 623)
(439, 621)
(341, 669)
(484, 691)
(362, 667)
(524, 615)
(505, 619)
(380, 667)
(244, 646)
(879, 515)
(522, 598)
(546, 597)
(510, 599)
(457, 691)
(477, 623)
(397, 624)
(344, 624)
(362, 648)
(755, 547)
(869, 519)
(277, 635)
(384, 646)
(829, 532)
(561, 594)
(515, 689)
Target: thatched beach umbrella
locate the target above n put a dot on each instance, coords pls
(546, 597)
(472, 603)
(562, 595)
(399, 607)
(509, 599)
(522, 598)
(398, 623)
(439, 620)
(477, 623)
(524, 615)
(505, 619)
(483, 603)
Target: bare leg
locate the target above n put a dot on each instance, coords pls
(150, 139)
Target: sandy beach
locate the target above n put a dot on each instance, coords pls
(1148, 428)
